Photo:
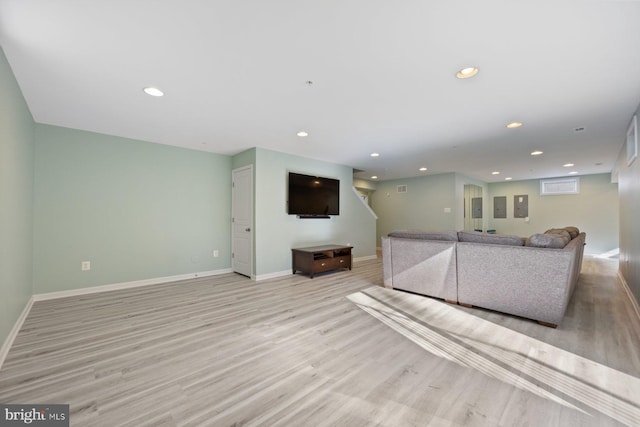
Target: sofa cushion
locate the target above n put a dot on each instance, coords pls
(560, 232)
(491, 239)
(573, 231)
(449, 235)
(546, 240)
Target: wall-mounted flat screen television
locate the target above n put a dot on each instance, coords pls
(313, 196)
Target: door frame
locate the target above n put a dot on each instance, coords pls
(252, 219)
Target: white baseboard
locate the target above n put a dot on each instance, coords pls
(632, 298)
(272, 275)
(8, 342)
(365, 258)
(128, 285)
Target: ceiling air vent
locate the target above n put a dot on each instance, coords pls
(559, 186)
(402, 188)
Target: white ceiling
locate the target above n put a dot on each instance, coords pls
(234, 74)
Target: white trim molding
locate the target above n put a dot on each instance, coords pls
(551, 187)
(273, 275)
(633, 300)
(8, 342)
(128, 285)
(365, 258)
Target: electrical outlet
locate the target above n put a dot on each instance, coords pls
(216, 253)
(85, 265)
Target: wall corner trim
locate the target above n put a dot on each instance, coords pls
(8, 342)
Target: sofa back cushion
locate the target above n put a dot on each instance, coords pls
(547, 240)
(448, 236)
(491, 239)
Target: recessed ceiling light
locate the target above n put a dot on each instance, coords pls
(374, 177)
(153, 91)
(514, 125)
(508, 178)
(568, 165)
(302, 134)
(423, 169)
(374, 154)
(536, 153)
(467, 72)
(495, 173)
(573, 173)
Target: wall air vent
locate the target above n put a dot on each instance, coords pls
(550, 187)
(402, 188)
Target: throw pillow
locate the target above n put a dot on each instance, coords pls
(573, 231)
(560, 232)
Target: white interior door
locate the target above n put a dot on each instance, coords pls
(242, 220)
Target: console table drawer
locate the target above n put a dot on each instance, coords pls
(326, 264)
(342, 261)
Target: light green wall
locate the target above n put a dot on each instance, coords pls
(421, 207)
(245, 158)
(629, 184)
(277, 232)
(365, 185)
(135, 210)
(16, 200)
(594, 210)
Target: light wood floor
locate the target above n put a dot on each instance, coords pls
(334, 350)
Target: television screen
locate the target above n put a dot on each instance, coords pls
(313, 195)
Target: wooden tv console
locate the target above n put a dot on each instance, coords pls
(318, 259)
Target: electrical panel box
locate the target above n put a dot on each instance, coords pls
(500, 207)
(476, 207)
(521, 206)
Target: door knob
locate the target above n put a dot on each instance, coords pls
(247, 229)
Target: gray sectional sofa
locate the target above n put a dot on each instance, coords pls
(533, 277)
